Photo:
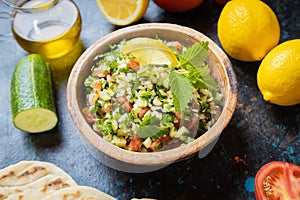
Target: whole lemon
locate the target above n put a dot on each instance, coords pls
(278, 76)
(248, 29)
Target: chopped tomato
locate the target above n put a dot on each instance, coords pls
(279, 181)
(127, 106)
(143, 112)
(160, 142)
(135, 143)
(107, 109)
(178, 116)
(99, 73)
(177, 46)
(132, 64)
(121, 100)
(98, 86)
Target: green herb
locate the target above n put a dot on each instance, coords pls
(166, 120)
(149, 127)
(193, 59)
(146, 73)
(135, 85)
(196, 54)
(210, 82)
(146, 120)
(148, 131)
(181, 86)
(201, 79)
(181, 89)
(146, 95)
(113, 64)
(89, 80)
(104, 130)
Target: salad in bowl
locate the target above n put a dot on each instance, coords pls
(150, 95)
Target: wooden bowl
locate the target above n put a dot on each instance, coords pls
(129, 161)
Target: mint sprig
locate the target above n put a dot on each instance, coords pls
(193, 60)
(181, 86)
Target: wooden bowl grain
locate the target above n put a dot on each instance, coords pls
(125, 160)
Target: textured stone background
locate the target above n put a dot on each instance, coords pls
(258, 132)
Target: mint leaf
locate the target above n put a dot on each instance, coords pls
(149, 127)
(209, 80)
(201, 79)
(149, 120)
(192, 60)
(196, 54)
(167, 119)
(148, 131)
(181, 89)
(135, 85)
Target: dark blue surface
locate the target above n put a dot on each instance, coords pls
(258, 132)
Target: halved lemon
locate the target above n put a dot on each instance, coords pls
(150, 51)
(122, 12)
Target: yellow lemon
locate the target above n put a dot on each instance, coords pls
(150, 51)
(122, 12)
(278, 76)
(248, 29)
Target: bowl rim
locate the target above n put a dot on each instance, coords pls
(160, 157)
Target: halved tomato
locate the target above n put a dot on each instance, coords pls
(278, 180)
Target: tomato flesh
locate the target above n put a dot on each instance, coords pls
(278, 180)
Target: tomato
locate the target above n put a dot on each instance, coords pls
(135, 143)
(177, 6)
(278, 180)
(160, 142)
(132, 64)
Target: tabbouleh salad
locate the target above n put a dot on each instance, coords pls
(154, 107)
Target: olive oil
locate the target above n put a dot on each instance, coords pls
(51, 33)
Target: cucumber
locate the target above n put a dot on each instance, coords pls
(31, 95)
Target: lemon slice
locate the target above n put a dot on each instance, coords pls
(150, 51)
(122, 12)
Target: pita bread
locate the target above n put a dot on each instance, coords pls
(32, 180)
(79, 193)
(36, 180)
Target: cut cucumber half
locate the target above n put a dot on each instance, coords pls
(32, 100)
(35, 120)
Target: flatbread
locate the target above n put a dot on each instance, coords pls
(36, 180)
(79, 193)
(32, 180)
